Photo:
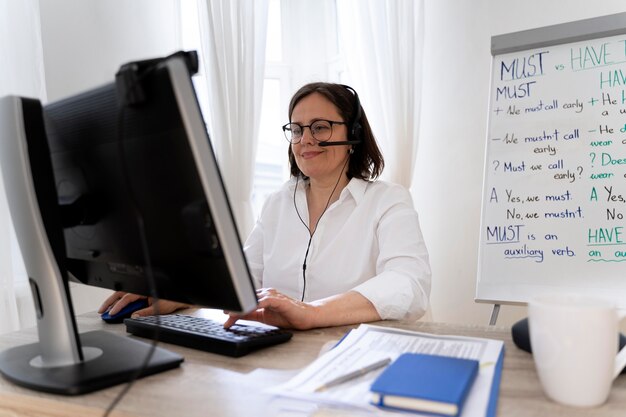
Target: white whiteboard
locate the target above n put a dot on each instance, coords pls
(554, 192)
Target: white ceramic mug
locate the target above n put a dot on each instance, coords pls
(574, 340)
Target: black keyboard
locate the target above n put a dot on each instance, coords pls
(205, 334)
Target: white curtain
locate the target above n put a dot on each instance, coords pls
(21, 73)
(233, 34)
(382, 43)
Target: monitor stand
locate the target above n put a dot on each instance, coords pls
(109, 360)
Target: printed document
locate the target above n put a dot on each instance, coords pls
(368, 344)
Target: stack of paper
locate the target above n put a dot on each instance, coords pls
(368, 344)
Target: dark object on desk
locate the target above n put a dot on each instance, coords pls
(207, 335)
(425, 383)
(125, 312)
(521, 337)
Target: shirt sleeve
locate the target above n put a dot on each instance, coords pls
(401, 287)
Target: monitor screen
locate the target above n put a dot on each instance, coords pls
(121, 190)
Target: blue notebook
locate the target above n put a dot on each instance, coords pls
(425, 383)
(495, 387)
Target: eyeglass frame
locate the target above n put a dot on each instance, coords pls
(331, 122)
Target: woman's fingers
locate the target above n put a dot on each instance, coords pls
(120, 299)
(232, 319)
(276, 309)
(112, 299)
(116, 301)
(126, 299)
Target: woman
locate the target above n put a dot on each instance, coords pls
(333, 246)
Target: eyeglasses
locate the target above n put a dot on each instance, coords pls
(321, 130)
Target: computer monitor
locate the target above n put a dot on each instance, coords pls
(117, 187)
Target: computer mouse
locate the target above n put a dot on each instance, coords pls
(125, 312)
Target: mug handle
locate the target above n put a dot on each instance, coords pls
(620, 360)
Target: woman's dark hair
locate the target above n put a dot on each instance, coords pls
(367, 161)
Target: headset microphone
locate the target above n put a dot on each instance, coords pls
(346, 142)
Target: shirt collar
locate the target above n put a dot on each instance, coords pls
(356, 188)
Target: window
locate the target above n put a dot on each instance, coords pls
(271, 169)
(302, 46)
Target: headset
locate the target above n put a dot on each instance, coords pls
(355, 126)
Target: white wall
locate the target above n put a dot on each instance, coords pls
(448, 180)
(84, 44)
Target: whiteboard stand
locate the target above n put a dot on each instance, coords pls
(494, 314)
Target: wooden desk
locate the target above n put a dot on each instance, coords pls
(213, 385)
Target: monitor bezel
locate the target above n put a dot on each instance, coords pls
(213, 185)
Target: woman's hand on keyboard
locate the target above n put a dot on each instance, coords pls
(277, 309)
(120, 299)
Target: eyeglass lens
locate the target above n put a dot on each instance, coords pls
(321, 130)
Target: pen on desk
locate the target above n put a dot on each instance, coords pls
(354, 374)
